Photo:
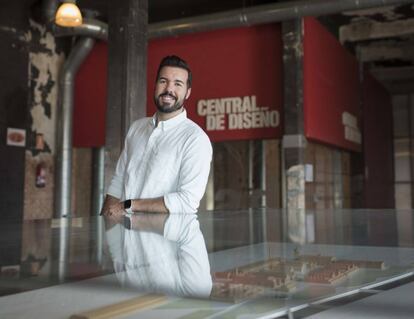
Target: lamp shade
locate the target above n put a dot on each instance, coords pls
(68, 15)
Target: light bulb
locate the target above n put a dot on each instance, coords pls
(68, 15)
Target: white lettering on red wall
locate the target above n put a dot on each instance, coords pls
(235, 113)
(352, 132)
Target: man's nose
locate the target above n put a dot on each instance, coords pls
(170, 87)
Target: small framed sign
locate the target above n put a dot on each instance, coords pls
(16, 137)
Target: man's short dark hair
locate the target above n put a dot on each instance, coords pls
(177, 62)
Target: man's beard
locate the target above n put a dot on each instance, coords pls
(167, 108)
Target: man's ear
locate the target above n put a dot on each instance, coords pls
(188, 94)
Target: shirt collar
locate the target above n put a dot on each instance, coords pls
(166, 125)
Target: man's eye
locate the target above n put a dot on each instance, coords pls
(178, 84)
(161, 81)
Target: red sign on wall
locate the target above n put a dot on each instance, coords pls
(331, 89)
(237, 80)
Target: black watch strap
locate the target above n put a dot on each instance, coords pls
(127, 204)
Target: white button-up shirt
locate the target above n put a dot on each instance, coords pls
(171, 160)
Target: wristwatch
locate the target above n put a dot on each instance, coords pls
(127, 206)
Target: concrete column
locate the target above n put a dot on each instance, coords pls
(127, 75)
(294, 142)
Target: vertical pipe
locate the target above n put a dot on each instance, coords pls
(97, 198)
(49, 8)
(251, 169)
(263, 172)
(251, 186)
(64, 129)
(263, 189)
(98, 157)
(64, 148)
(64, 238)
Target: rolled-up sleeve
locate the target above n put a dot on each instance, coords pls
(193, 176)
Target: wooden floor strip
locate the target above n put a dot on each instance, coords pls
(122, 308)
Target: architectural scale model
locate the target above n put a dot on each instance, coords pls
(280, 276)
(332, 272)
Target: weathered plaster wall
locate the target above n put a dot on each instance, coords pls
(45, 61)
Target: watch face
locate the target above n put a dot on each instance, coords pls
(127, 204)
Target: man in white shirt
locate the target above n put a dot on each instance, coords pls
(163, 168)
(165, 163)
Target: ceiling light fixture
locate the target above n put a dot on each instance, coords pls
(68, 14)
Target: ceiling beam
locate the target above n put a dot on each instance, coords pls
(366, 29)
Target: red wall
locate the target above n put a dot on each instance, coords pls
(90, 99)
(330, 87)
(378, 144)
(228, 63)
(238, 63)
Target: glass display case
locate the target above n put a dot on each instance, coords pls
(223, 264)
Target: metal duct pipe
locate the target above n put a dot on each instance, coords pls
(98, 197)
(64, 140)
(98, 160)
(63, 252)
(261, 14)
(49, 8)
(90, 28)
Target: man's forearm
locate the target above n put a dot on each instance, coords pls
(150, 205)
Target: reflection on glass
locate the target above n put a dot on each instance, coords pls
(160, 253)
(305, 257)
(318, 254)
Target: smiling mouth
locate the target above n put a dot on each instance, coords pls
(167, 98)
